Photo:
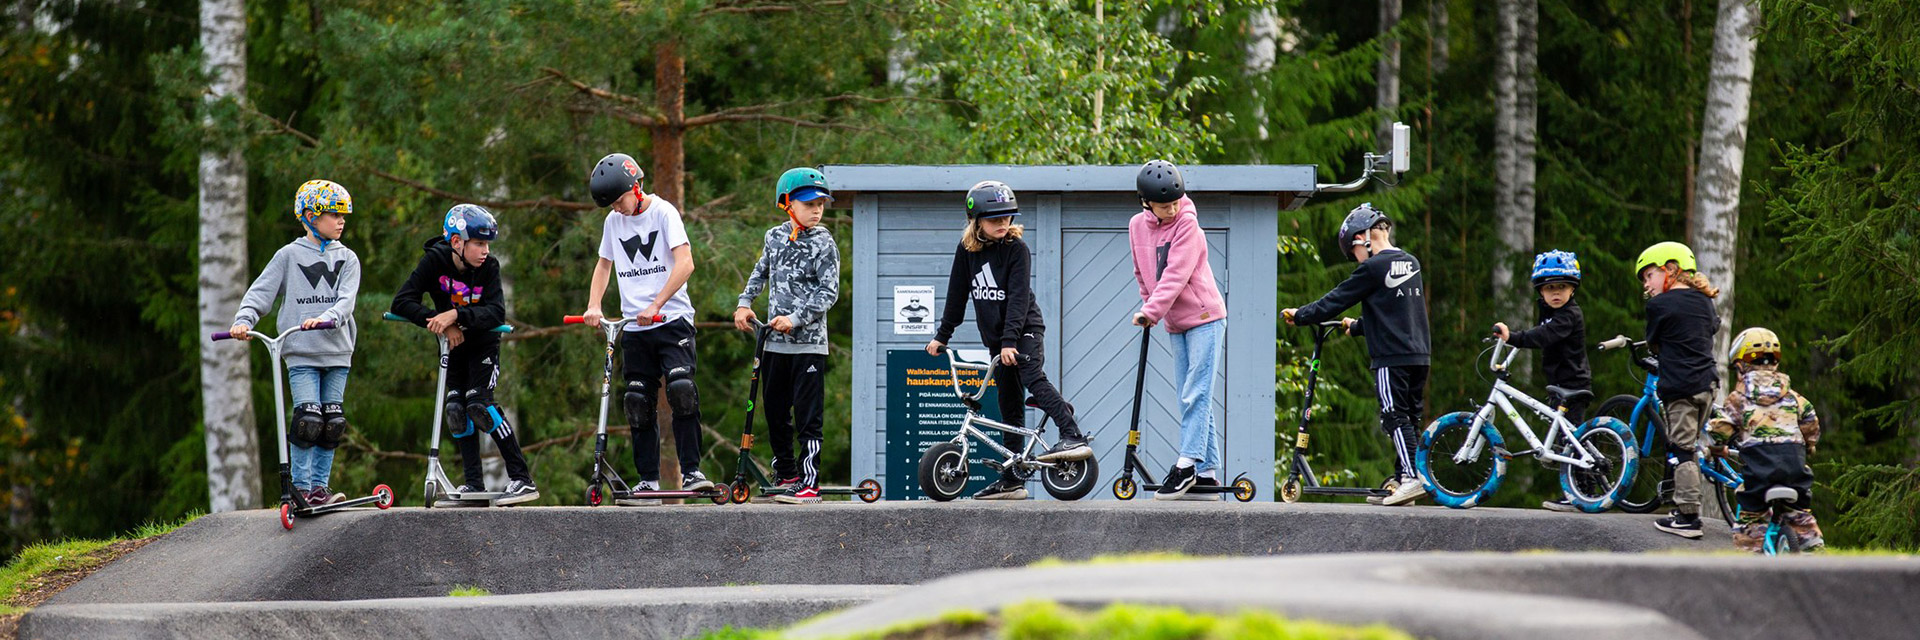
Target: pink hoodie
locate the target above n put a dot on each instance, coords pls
(1170, 261)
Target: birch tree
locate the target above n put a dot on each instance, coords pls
(1723, 145)
(226, 390)
(1515, 119)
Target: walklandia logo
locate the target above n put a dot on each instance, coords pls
(984, 286)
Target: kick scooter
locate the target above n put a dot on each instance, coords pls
(943, 467)
(440, 492)
(1300, 477)
(293, 504)
(748, 474)
(1124, 487)
(605, 482)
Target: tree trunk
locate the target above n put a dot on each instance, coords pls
(1723, 146)
(1262, 49)
(1514, 125)
(1386, 78)
(1437, 35)
(669, 169)
(226, 390)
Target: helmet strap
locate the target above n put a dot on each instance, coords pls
(786, 204)
(308, 223)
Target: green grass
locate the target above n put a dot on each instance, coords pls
(40, 559)
(468, 591)
(1043, 620)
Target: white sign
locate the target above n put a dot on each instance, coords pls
(913, 312)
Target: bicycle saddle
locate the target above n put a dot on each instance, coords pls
(1569, 395)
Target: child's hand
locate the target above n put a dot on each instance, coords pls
(440, 323)
(239, 332)
(592, 317)
(1009, 357)
(454, 337)
(934, 347)
(1288, 314)
(743, 319)
(782, 324)
(1500, 331)
(1141, 320)
(1346, 325)
(310, 323)
(647, 314)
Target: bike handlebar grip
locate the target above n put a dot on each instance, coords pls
(393, 316)
(1614, 343)
(322, 325)
(224, 335)
(1333, 323)
(572, 319)
(505, 328)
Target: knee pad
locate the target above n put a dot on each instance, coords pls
(1391, 421)
(487, 417)
(307, 425)
(1681, 457)
(335, 429)
(639, 404)
(681, 394)
(457, 424)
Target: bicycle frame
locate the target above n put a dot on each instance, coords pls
(1503, 396)
(1025, 460)
(1717, 470)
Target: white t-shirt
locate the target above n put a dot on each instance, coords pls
(642, 260)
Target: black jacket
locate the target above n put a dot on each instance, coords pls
(999, 279)
(1680, 328)
(1394, 314)
(475, 294)
(1562, 338)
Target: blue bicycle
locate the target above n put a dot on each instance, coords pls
(1643, 415)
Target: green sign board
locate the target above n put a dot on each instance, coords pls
(922, 410)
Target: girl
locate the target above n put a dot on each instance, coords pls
(1680, 329)
(995, 266)
(1177, 286)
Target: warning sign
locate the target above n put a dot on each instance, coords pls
(922, 411)
(913, 310)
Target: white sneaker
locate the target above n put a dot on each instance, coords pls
(1390, 485)
(1406, 493)
(643, 485)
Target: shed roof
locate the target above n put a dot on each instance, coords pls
(1296, 180)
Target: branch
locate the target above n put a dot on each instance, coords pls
(732, 114)
(768, 117)
(520, 333)
(638, 118)
(770, 8)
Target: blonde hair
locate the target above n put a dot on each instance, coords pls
(973, 240)
(1691, 279)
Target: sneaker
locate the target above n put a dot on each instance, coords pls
(785, 485)
(518, 492)
(465, 489)
(1390, 485)
(1204, 496)
(800, 495)
(1179, 479)
(1680, 524)
(322, 496)
(1072, 446)
(643, 486)
(1559, 504)
(695, 481)
(1406, 493)
(1003, 489)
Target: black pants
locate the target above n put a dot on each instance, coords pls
(1575, 411)
(795, 386)
(1774, 465)
(473, 369)
(1402, 392)
(1015, 383)
(647, 357)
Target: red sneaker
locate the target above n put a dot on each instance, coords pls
(800, 495)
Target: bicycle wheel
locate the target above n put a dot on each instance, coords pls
(1616, 459)
(1653, 478)
(1727, 500)
(1460, 484)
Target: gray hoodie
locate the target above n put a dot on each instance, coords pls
(316, 284)
(802, 278)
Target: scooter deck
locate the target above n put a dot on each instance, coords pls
(350, 503)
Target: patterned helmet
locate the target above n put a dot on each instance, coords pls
(991, 199)
(470, 221)
(1753, 343)
(1663, 253)
(1556, 266)
(321, 196)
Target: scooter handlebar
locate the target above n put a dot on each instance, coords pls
(394, 317)
(572, 319)
(224, 335)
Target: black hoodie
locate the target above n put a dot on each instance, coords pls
(1393, 311)
(1562, 339)
(998, 278)
(475, 293)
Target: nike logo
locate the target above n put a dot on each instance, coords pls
(1399, 273)
(636, 247)
(318, 271)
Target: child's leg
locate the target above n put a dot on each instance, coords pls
(676, 359)
(1195, 355)
(809, 412)
(1402, 390)
(459, 425)
(486, 416)
(776, 370)
(642, 372)
(333, 393)
(304, 384)
(1033, 376)
(1684, 416)
(1013, 404)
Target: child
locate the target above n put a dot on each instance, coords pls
(458, 273)
(1177, 286)
(1562, 335)
(1394, 312)
(800, 268)
(1775, 429)
(644, 243)
(996, 266)
(319, 277)
(1680, 328)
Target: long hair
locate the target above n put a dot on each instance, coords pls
(973, 240)
(1692, 279)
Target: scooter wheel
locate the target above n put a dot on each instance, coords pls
(286, 516)
(383, 495)
(1125, 488)
(869, 490)
(721, 492)
(594, 499)
(742, 492)
(432, 494)
(1243, 490)
(1290, 490)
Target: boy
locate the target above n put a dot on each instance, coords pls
(643, 241)
(1394, 312)
(458, 273)
(1562, 336)
(319, 278)
(1775, 429)
(800, 268)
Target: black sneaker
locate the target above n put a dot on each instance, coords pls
(518, 492)
(1559, 504)
(1680, 524)
(1204, 496)
(695, 481)
(463, 490)
(1072, 446)
(643, 486)
(1003, 489)
(1179, 479)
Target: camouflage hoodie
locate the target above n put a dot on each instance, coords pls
(802, 278)
(1763, 409)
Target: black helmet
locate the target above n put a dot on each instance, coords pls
(991, 199)
(1160, 181)
(470, 221)
(613, 177)
(1358, 221)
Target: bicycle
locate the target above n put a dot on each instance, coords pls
(943, 467)
(1597, 460)
(1781, 538)
(1645, 418)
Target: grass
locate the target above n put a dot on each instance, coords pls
(468, 591)
(42, 570)
(1044, 620)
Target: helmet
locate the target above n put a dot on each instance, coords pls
(1358, 221)
(801, 184)
(1663, 253)
(1556, 266)
(470, 221)
(1160, 181)
(991, 199)
(613, 177)
(321, 196)
(1754, 343)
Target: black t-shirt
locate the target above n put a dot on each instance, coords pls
(1562, 338)
(1680, 328)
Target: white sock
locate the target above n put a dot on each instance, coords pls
(1184, 462)
(1208, 474)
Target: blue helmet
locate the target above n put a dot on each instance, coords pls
(1556, 266)
(470, 221)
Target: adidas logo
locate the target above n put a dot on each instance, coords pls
(985, 287)
(813, 369)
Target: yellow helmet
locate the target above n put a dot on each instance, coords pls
(1753, 343)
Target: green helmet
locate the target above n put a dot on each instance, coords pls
(1663, 253)
(798, 179)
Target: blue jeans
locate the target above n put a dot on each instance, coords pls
(312, 466)
(1196, 354)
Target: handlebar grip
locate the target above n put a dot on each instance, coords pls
(505, 328)
(224, 335)
(572, 319)
(1333, 323)
(393, 317)
(940, 350)
(659, 319)
(322, 326)
(1614, 343)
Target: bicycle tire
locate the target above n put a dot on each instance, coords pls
(1653, 481)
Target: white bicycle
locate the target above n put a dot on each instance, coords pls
(943, 467)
